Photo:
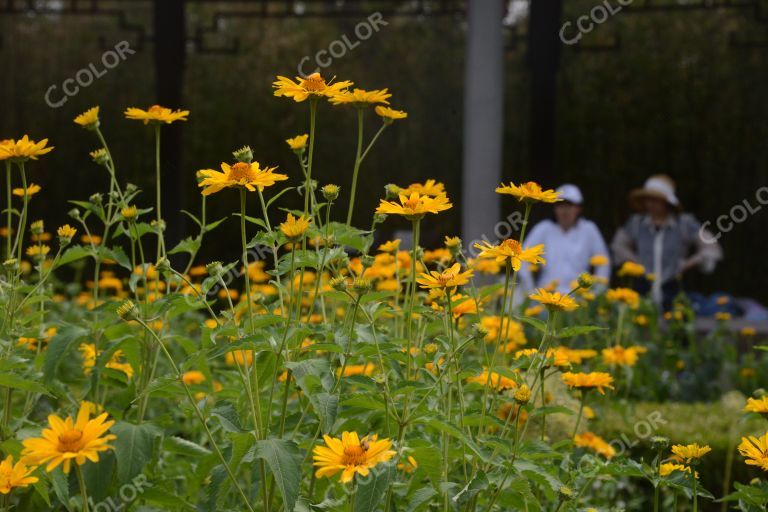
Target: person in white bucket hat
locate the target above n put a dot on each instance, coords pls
(570, 241)
(664, 239)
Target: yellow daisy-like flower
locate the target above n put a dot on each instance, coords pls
(350, 455)
(390, 247)
(631, 269)
(68, 440)
(66, 231)
(758, 405)
(35, 251)
(251, 176)
(352, 370)
(24, 149)
(390, 115)
(598, 260)
(495, 381)
(554, 301)
(755, 450)
(595, 443)
(430, 188)
(622, 356)
(295, 227)
(298, 142)
(511, 251)
(361, 97)
(452, 242)
(530, 192)
(513, 330)
(31, 190)
(668, 468)
(313, 86)
(156, 114)
(193, 377)
(415, 206)
(748, 332)
(624, 296)
(15, 475)
(586, 381)
(690, 452)
(448, 278)
(89, 119)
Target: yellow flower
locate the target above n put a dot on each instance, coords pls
(23, 149)
(631, 269)
(239, 357)
(35, 251)
(295, 227)
(452, 242)
(68, 440)
(722, 316)
(586, 381)
(313, 86)
(448, 278)
(298, 142)
(415, 206)
(511, 251)
(554, 300)
(129, 212)
(622, 356)
(390, 247)
(598, 260)
(514, 331)
(533, 311)
(430, 188)
(758, 405)
(32, 189)
(595, 443)
(641, 320)
(755, 449)
(156, 114)
(690, 452)
(495, 381)
(409, 466)
(360, 97)
(748, 332)
(350, 455)
(15, 475)
(530, 192)
(241, 174)
(623, 295)
(66, 231)
(389, 115)
(351, 370)
(668, 468)
(193, 377)
(89, 119)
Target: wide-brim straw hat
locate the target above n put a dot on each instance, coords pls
(659, 186)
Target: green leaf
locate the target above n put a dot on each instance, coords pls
(227, 415)
(73, 254)
(11, 380)
(370, 490)
(183, 446)
(326, 407)
(189, 245)
(133, 448)
(577, 330)
(537, 324)
(458, 434)
(58, 347)
(421, 497)
(284, 461)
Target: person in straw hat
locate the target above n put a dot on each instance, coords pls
(570, 242)
(664, 239)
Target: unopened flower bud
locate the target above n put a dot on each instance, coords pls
(128, 311)
(244, 154)
(330, 192)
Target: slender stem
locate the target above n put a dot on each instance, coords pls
(358, 160)
(9, 216)
(246, 277)
(373, 140)
(159, 218)
(409, 320)
(312, 120)
(199, 414)
(695, 490)
(578, 418)
(83, 492)
(19, 242)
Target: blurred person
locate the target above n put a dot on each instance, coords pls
(664, 239)
(570, 241)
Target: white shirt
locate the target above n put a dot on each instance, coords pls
(567, 253)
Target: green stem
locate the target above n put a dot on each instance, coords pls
(199, 415)
(312, 120)
(409, 320)
(19, 242)
(83, 493)
(9, 215)
(159, 218)
(578, 418)
(358, 160)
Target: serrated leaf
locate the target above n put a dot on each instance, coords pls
(284, 461)
(133, 447)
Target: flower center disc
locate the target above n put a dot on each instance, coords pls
(70, 441)
(314, 82)
(241, 171)
(354, 455)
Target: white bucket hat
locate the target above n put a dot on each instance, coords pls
(659, 186)
(570, 193)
